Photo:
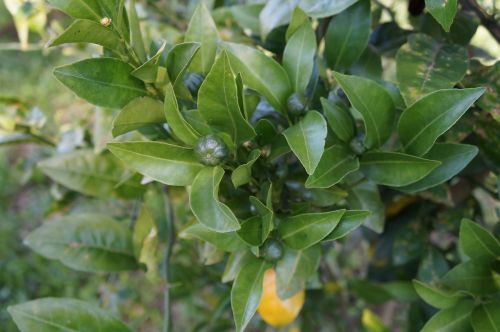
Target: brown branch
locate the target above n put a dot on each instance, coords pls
(488, 21)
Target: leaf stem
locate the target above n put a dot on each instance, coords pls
(169, 213)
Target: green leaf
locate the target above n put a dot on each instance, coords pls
(294, 269)
(395, 169)
(477, 243)
(254, 230)
(431, 116)
(365, 196)
(471, 277)
(347, 35)
(443, 11)
(305, 230)
(351, 220)
(265, 212)
(274, 14)
(453, 158)
(235, 262)
(424, 65)
(63, 314)
(247, 291)
(205, 203)
(85, 242)
(335, 164)
(87, 172)
(140, 112)
(307, 140)
(224, 241)
(486, 317)
(202, 29)
(255, 68)
(218, 102)
(164, 162)
(243, 173)
(437, 297)
(151, 71)
(298, 57)
(432, 266)
(325, 8)
(456, 319)
(375, 105)
(101, 81)
(178, 60)
(95, 11)
(136, 40)
(339, 119)
(299, 17)
(247, 15)
(87, 31)
(179, 126)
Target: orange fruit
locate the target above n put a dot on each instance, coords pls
(275, 311)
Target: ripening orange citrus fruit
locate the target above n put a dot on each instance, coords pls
(275, 311)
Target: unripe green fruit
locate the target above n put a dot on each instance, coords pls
(211, 150)
(296, 103)
(272, 250)
(193, 81)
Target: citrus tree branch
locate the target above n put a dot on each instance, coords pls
(488, 21)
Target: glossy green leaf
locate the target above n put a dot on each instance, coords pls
(202, 29)
(431, 116)
(87, 172)
(374, 104)
(234, 263)
(324, 8)
(95, 10)
(254, 231)
(453, 158)
(87, 31)
(351, 220)
(178, 60)
(477, 243)
(275, 13)
(179, 126)
(101, 81)
(307, 140)
(64, 314)
(304, 230)
(486, 317)
(205, 204)
(471, 277)
(265, 212)
(298, 57)
(164, 162)
(443, 11)
(456, 319)
(247, 15)
(437, 297)
(335, 164)
(223, 241)
(424, 65)
(218, 102)
(395, 169)
(255, 68)
(247, 291)
(294, 269)
(299, 17)
(151, 71)
(85, 242)
(140, 112)
(136, 40)
(365, 196)
(339, 119)
(243, 173)
(347, 35)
